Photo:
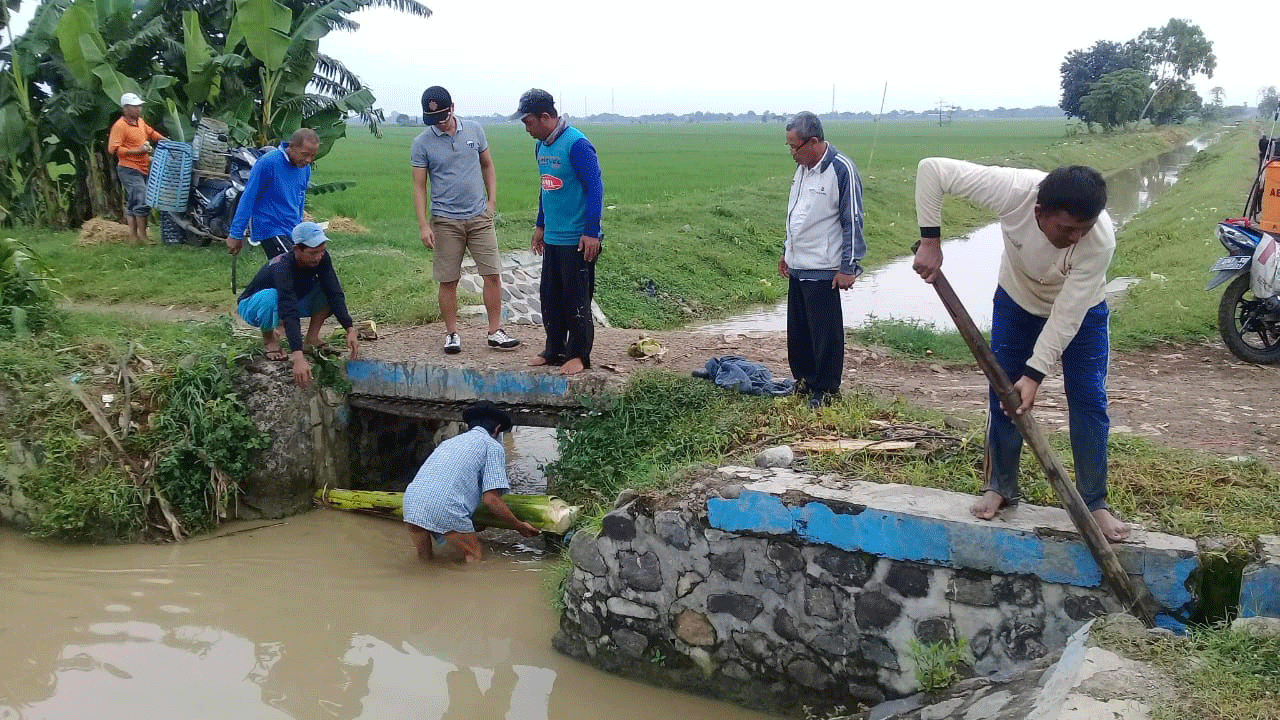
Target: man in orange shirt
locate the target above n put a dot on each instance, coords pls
(130, 144)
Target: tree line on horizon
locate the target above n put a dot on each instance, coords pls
(947, 113)
(1118, 84)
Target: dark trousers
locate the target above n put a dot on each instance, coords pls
(276, 245)
(1084, 377)
(815, 334)
(567, 286)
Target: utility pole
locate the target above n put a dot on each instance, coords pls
(613, 101)
(833, 98)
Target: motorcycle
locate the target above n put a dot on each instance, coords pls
(1249, 312)
(220, 176)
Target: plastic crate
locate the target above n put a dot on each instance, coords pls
(169, 185)
(211, 146)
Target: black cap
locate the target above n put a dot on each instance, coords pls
(436, 105)
(485, 413)
(537, 102)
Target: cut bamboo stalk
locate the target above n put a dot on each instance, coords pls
(547, 513)
(1131, 592)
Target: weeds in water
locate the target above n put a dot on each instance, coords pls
(553, 579)
(938, 665)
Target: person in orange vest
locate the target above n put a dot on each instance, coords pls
(130, 143)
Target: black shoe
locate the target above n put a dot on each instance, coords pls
(823, 397)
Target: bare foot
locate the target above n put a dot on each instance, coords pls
(572, 366)
(987, 506)
(1112, 529)
(274, 353)
(537, 360)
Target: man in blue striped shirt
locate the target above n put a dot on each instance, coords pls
(463, 472)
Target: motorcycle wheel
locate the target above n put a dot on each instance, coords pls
(1249, 330)
(171, 233)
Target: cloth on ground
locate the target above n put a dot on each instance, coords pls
(737, 373)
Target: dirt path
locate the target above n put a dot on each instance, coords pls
(1193, 396)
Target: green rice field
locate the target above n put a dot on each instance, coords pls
(697, 208)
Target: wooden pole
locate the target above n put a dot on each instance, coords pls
(1132, 593)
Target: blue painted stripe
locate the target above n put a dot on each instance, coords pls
(981, 547)
(1260, 592)
(755, 512)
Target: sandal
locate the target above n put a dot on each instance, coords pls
(276, 355)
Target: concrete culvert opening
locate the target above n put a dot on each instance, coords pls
(388, 447)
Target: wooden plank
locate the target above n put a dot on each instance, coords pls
(852, 445)
(1132, 592)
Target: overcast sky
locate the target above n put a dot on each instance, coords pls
(679, 56)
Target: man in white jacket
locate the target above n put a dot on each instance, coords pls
(1049, 306)
(820, 258)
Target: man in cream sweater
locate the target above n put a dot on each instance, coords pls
(1049, 307)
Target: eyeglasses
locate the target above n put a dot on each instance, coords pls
(796, 148)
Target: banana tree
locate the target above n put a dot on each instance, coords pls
(285, 39)
(27, 185)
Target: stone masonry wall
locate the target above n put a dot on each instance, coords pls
(309, 442)
(735, 598)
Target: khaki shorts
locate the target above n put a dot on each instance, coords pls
(475, 235)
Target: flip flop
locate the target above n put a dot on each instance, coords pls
(276, 355)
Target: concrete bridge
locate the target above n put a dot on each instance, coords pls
(431, 390)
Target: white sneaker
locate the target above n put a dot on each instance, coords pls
(500, 340)
(452, 343)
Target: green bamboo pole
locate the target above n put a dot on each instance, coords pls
(545, 512)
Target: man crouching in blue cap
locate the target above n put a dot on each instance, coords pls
(298, 283)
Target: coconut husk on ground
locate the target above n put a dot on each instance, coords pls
(99, 231)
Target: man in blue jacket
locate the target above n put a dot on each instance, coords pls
(300, 283)
(275, 195)
(567, 235)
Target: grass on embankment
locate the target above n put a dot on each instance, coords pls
(1171, 245)
(1220, 674)
(664, 423)
(186, 416)
(698, 209)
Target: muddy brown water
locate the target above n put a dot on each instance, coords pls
(972, 261)
(327, 615)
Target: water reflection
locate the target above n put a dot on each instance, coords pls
(529, 449)
(326, 616)
(972, 261)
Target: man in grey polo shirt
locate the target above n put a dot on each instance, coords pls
(454, 154)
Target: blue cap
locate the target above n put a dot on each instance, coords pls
(309, 234)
